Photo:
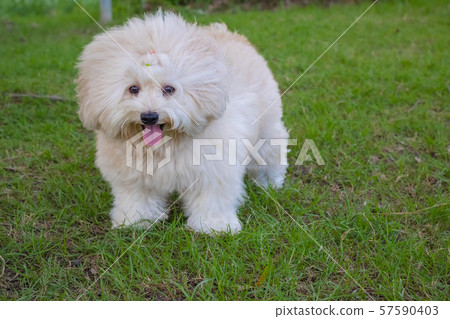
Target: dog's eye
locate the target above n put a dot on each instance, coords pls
(133, 89)
(168, 90)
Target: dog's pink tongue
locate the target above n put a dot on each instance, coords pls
(152, 134)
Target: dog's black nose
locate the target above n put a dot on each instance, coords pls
(149, 118)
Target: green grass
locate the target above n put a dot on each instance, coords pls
(376, 105)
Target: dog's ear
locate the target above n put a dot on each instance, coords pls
(205, 78)
(92, 81)
(86, 113)
(217, 106)
(212, 100)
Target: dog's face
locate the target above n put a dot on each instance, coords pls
(154, 73)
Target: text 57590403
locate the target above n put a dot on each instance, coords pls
(409, 310)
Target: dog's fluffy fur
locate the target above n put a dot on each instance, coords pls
(222, 85)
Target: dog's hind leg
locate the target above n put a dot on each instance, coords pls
(274, 153)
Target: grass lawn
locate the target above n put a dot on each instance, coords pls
(376, 105)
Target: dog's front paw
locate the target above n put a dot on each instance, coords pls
(215, 224)
(135, 218)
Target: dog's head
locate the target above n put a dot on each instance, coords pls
(153, 73)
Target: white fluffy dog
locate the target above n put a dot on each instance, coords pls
(163, 77)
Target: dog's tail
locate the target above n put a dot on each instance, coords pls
(219, 27)
(220, 31)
